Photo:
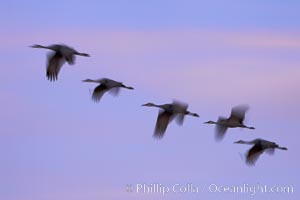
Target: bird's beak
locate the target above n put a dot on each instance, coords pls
(143, 105)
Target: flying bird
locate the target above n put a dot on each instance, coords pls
(235, 120)
(167, 113)
(61, 54)
(106, 85)
(259, 146)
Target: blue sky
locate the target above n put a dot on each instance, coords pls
(155, 14)
(56, 143)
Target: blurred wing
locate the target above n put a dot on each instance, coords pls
(220, 130)
(180, 104)
(161, 124)
(238, 113)
(98, 92)
(179, 108)
(68, 53)
(253, 154)
(172, 117)
(70, 59)
(114, 91)
(55, 62)
(180, 119)
(270, 151)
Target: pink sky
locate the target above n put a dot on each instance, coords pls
(56, 143)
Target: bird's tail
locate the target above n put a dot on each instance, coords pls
(193, 114)
(84, 54)
(251, 127)
(282, 148)
(127, 87)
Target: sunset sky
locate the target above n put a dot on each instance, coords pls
(56, 143)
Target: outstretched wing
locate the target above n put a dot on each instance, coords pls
(253, 154)
(179, 109)
(54, 64)
(270, 151)
(70, 58)
(238, 113)
(99, 92)
(180, 119)
(114, 91)
(161, 124)
(68, 53)
(220, 130)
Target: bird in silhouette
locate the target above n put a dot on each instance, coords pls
(104, 86)
(61, 54)
(259, 146)
(235, 120)
(167, 113)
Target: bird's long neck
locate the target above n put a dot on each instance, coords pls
(40, 46)
(163, 106)
(158, 106)
(247, 142)
(51, 47)
(217, 123)
(90, 80)
(211, 122)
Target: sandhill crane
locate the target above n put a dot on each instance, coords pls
(106, 85)
(61, 54)
(259, 146)
(235, 120)
(167, 113)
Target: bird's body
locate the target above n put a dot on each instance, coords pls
(236, 120)
(259, 147)
(61, 54)
(105, 86)
(167, 113)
